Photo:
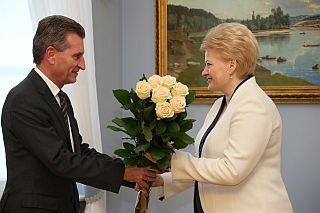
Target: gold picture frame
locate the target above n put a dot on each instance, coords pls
(279, 94)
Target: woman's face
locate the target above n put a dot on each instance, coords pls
(216, 71)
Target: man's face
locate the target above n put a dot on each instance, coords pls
(69, 61)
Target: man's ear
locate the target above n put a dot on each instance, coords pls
(50, 54)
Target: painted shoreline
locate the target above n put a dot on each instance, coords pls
(271, 32)
(285, 31)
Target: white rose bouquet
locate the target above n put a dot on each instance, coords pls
(158, 126)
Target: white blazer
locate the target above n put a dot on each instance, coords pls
(239, 169)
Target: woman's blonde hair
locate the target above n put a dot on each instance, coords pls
(234, 41)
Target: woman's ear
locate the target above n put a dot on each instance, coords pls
(233, 65)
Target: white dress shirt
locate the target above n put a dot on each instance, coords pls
(55, 90)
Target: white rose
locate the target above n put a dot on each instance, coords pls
(155, 81)
(180, 89)
(178, 104)
(143, 89)
(169, 81)
(164, 110)
(160, 94)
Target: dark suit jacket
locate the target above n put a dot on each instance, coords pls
(41, 167)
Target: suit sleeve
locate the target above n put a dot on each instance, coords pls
(35, 128)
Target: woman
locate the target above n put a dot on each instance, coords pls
(237, 167)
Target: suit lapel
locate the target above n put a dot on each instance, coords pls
(75, 135)
(74, 127)
(51, 100)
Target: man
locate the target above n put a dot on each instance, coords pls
(44, 150)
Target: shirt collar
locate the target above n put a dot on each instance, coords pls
(53, 88)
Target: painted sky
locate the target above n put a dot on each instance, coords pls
(242, 9)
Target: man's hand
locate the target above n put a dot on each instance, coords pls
(141, 176)
(158, 182)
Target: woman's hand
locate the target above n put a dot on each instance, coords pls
(158, 182)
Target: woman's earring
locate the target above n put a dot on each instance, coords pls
(230, 76)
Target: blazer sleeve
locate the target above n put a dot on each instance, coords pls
(172, 188)
(249, 131)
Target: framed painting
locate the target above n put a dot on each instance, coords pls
(288, 34)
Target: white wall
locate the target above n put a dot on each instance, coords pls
(124, 50)
(301, 155)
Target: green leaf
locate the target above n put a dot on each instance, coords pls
(171, 119)
(134, 97)
(186, 125)
(123, 96)
(128, 146)
(135, 106)
(165, 137)
(190, 97)
(122, 153)
(152, 124)
(129, 124)
(179, 144)
(118, 121)
(173, 127)
(144, 162)
(130, 106)
(157, 154)
(130, 161)
(149, 112)
(117, 129)
(186, 138)
(141, 148)
(161, 128)
(163, 163)
(147, 133)
(182, 116)
(182, 140)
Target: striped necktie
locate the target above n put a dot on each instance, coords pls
(63, 106)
